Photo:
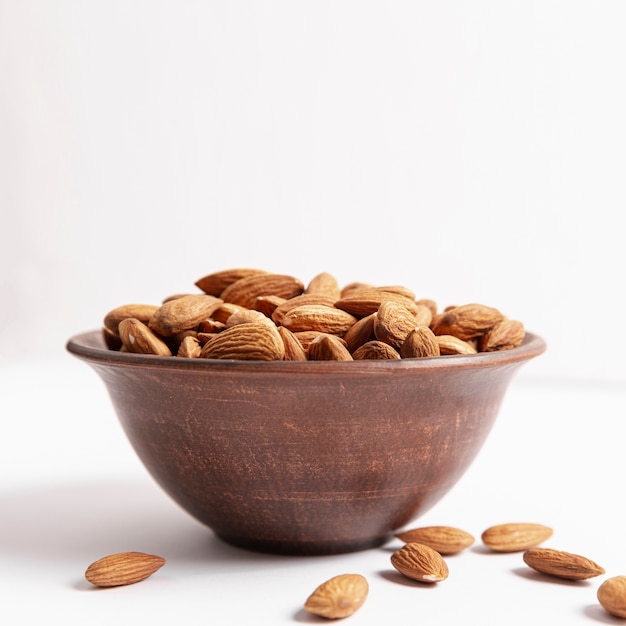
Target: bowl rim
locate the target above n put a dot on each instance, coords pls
(90, 346)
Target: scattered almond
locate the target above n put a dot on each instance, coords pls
(561, 564)
(612, 595)
(515, 537)
(420, 562)
(340, 596)
(444, 539)
(123, 568)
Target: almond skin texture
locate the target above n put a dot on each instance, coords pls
(182, 313)
(515, 537)
(123, 568)
(375, 350)
(327, 347)
(213, 284)
(189, 348)
(141, 312)
(612, 596)
(420, 562)
(325, 284)
(444, 539)
(297, 301)
(394, 322)
(448, 344)
(361, 303)
(255, 341)
(419, 343)
(293, 348)
(561, 564)
(245, 291)
(505, 335)
(361, 332)
(340, 596)
(467, 321)
(325, 319)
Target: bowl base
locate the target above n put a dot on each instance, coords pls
(303, 548)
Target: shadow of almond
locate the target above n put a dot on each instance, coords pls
(83, 521)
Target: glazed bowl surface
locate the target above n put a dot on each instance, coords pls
(305, 458)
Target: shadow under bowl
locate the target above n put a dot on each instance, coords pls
(305, 458)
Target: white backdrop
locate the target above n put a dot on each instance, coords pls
(473, 151)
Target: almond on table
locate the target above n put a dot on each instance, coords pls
(340, 596)
(515, 537)
(123, 568)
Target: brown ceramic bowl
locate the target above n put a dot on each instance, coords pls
(305, 457)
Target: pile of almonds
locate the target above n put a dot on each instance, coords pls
(252, 314)
(421, 559)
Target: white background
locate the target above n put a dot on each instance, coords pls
(473, 151)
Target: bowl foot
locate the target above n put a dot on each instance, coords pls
(303, 548)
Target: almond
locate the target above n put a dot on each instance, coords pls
(561, 564)
(394, 322)
(449, 344)
(350, 288)
(182, 313)
(375, 350)
(505, 335)
(305, 298)
(245, 291)
(213, 326)
(138, 338)
(467, 321)
(255, 341)
(429, 303)
(324, 284)
(612, 595)
(320, 317)
(419, 343)
(224, 311)
(363, 302)
(326, 347)
(515, 537)
(141, 312)
(124, 568)
(293, 348)
(213, 284)
(189, 348)
(340, 596)
(267, 304)
(444, 539)
(360, 332)
(244, 316)
(306, 337)
(420, 562)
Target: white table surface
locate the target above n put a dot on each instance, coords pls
(72, 490)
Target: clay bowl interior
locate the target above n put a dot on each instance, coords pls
(308, 457)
